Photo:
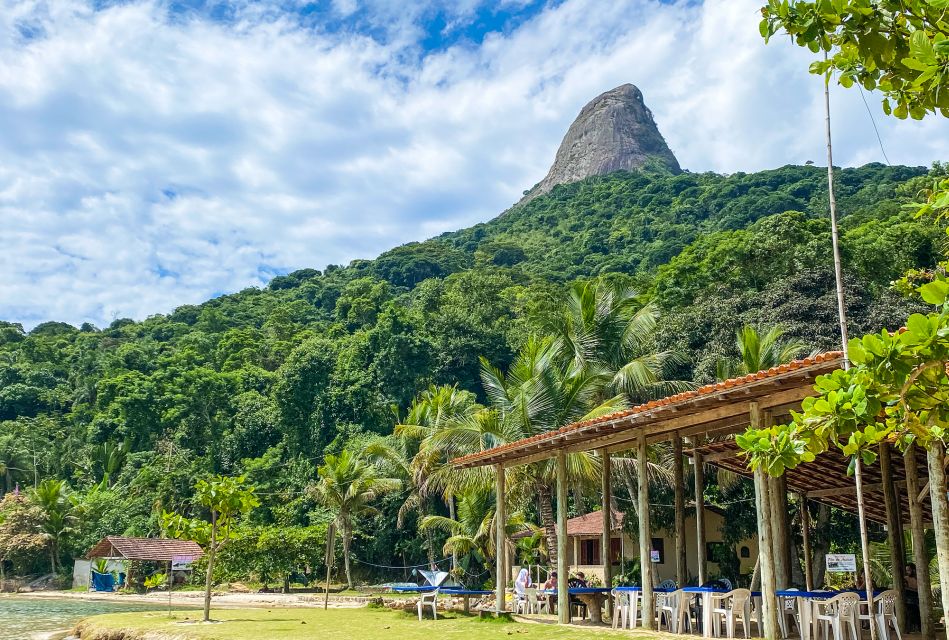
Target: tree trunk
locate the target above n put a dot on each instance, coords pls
(545, 499)
(920, 552)
(52, 555)
(347, 539)
(821, 545)
(864, 540)
(937, 494)
(212, 550)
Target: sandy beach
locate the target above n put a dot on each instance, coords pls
(196, 599)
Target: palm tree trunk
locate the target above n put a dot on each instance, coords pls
(53, 552)
(937, 494)
(545, 498)
(821, 545)
(347, 539)
(209, 576)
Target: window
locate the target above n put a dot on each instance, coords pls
(616, 548)
(745, 552)
(659, 544)
(590, 551)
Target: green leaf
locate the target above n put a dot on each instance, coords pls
(935, 292)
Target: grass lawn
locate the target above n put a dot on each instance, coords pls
(333, 624)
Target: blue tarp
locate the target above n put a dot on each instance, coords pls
(103, 581)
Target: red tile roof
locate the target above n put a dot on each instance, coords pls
(591, 524)
(682, 398)
(156, 549)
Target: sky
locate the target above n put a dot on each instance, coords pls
(154, 154)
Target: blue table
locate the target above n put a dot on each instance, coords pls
(461, 592)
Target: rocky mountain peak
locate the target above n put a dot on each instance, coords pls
(614, 131)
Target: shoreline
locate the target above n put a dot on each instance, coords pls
(195, 599)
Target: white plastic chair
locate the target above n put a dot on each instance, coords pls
(534, 603)
(842, 609)
(884, 615)
(729, 607)
(428, 599)
(674, 610)
(620, 609)
(787, 608)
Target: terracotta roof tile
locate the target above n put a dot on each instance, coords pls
(156, 549)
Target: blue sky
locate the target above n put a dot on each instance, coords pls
(154, 154)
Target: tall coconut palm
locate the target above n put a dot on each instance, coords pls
(607, 327)
(757, 352)
(430, 412)
(348, 486)
(471, 532)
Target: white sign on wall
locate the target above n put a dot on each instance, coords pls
(841, 563)
(654, 555)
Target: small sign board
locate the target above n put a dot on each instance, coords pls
(841, 563)
(654, 555)
(181, 563)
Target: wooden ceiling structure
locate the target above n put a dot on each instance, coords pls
(826, 479)
(714, 410)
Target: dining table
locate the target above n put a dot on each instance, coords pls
(455, 591)
(806, 606)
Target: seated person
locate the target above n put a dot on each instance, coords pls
(551, 581)
(579, 580)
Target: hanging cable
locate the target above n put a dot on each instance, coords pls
(873, 122)
(386, 566)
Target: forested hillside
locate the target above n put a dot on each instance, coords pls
(266, 382)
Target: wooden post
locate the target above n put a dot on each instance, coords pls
(920, 552)
(806, 535)
(606, 489)
(769, 603)
(500, 520)
(894, 531)
(645, 538)
(779, 532)
(563, 596)
(937, 496)
(682, 571)
(699, 515)
(864, 540)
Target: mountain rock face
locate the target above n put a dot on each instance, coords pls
(614, 131)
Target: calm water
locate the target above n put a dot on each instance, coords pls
(25, 618)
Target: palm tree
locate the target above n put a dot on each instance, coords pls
(108, 458)
(758, 352)
(471, 533)
(348, 485)
(431, 411)
(607, 327)
(59, 514)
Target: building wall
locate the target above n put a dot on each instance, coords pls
(665, 569)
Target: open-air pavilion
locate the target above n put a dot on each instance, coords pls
(702, 424)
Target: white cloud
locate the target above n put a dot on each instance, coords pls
(148, 162)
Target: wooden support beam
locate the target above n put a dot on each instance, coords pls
(834, 491)
(806, 537)
(682, 569)
(645, 539)
(699, 474)
(894, 532)
(606, 491)
(500, 519)
(563, 569)
(920, 550)
(769, 616)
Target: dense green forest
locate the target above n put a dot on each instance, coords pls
(266, 383)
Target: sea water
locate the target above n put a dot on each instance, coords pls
(26, 618)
